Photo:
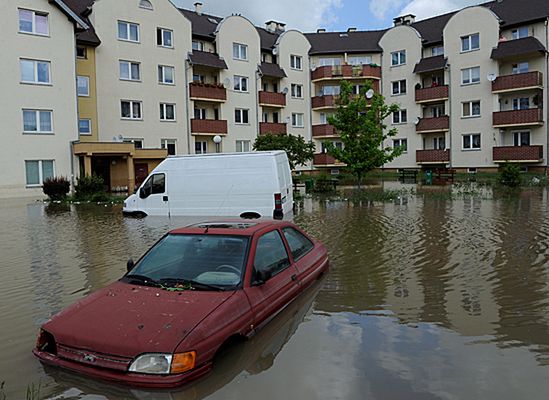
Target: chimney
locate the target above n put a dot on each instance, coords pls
(321, 30)
(198, 8)
(351, 30)
(275, 26)
(281, 27)
(404, 20)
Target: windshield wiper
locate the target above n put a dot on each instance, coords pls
(192, 284)
(145, 280)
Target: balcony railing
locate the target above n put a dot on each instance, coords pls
(324, 160)
(439, 124)
(346, 72)
(323, 102)
(509, 83)
(272, 127)
(432, 156)
(531, 116)
(323, 130)
(201, 91)
(272, 99)
(208, 126)
(518, 154)
(435, 93)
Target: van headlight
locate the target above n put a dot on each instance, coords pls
(163, 364)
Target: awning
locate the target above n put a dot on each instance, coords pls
(429, 64)
(518, 47)
(272, 70)
(206, 59)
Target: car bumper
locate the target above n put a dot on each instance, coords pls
(126, 378)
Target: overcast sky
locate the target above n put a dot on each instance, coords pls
(308, 15)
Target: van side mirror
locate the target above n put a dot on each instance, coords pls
(142, 193)
(129, 265)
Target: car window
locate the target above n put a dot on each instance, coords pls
(271, 254)
(299, 244)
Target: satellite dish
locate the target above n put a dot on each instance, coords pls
(287, 120)
(227, 83)
(118, 139)
(491, 77)
(370, 94)
(417, 121)
(285, 90)
(313, 67)
(275, 51)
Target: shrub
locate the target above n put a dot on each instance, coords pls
(509, 175)
(91, 188)
(324, 184)
(56, 188)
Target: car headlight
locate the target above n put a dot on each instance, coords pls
(163, 364)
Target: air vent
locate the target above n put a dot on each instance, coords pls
(213, 21)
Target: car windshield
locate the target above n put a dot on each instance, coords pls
(199, 262)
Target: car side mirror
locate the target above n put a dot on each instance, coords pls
(263, 276)
(129, 265)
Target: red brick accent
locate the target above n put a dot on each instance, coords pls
(323, 101)
(209, 126)
(517, 81)
(323, 130)
(517, 153)
(346, 71)
(202, 91)
(271, 127)
(272, 98)
(432, 93)
(323, 159)
(532, 116)
(432, 156)
(433, 124)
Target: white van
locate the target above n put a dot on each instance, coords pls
(249, 185)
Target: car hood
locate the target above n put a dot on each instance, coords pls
(127, 320)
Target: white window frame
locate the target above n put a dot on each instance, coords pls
(298, 120)
(132, 117)
(137, 142)
(469, 40)
(164, 114)
(82, 78)
(129, 64)
(470, 109)
(401, 84)
(437, 51)
(360, 60)
(240, 83)
(199, 45)
(203, 147)
(296, 91)
(329, 61)
(400, 58)
(439, 143)
(34, 14)
(89, 125)
(239, 114)
(162, 44)
(517, 138)
(164, 143)
(402, 142)
(401, 117)
(517, 103)
(471, 141)
(296, 62)
(40, 172)
(37, 116)
(520, 33)
(162, 75)
(469, 77)
(240, 51)
(128, 31)
(35, 71)
(518, 68)
(241, 146)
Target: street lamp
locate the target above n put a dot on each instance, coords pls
(217, 141)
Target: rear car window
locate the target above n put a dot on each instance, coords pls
(271, 254)
(299, 244)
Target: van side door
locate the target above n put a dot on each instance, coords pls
(153, 195)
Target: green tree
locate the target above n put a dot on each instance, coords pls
(359, 122)
(298, 150)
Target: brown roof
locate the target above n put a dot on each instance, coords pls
(431, 29)
(268, 38)
(272, 70)
(83, 9)
(206, 59)
(350, 42)
(429, 64)
(518, 47)
(203, 25)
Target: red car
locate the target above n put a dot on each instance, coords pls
(196, 290)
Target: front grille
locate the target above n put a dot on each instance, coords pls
(93, 359)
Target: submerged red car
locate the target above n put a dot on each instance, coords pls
(196, 290)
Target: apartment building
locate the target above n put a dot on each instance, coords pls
(39, 111)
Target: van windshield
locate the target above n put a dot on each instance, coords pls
(198, 262)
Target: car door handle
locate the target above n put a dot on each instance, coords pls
(165, 198)
(294, 277)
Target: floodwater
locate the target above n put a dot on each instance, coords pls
(428, 297)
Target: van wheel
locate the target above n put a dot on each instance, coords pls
(250, 215)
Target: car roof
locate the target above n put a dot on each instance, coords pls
(241, 227)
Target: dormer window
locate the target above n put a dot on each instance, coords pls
(520, 33)
(146, 4)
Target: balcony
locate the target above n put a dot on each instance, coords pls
(510, 83)
(327, 72)
(208, 127)
(531, 116)
(521, 154)
(272, 127)
(207, 92)
(325, 160)
(432, 156)
(320, 102)
(272, 99)
(428, 125)
(324, 131)
(432, 94)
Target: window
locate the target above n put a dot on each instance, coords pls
(166, 75)
(437, 111)
(83, 86)
(471, 141)
(295, 62)
(167, 112)
(299, 244)
(521, 138)
(366, 60)
(470, 76)
(240, 83)
(403, 143)
(439, 143)
(37, 121)
(34, 71)
(130, 109)
(138, 143)
(200, 147)
(241, 116)
(470, 42)
(337, 144)
(199, 113)
(437, 51)
(38, 171)
(471, 109)
(270, 254)
(297, 91)
(399, 87)
(398, 58)
(330, 91)
(197, 45)
(169, 144)
(522, 103)
(297, 120)
(156, 184)
(242, 146)
(128, 31)
(33, 22)
(521, 32)
(81, 52)
(84, 126)
(146, 4)
(240, 51)
(130, 71)
(400, 117)
(164, 37)
(198, 78)
(520, 68)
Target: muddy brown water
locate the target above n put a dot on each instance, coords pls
(427, 298)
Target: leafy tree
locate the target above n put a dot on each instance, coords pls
(360, 124)
(509, 175)
(298, 150)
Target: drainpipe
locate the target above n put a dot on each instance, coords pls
(188, 66)
(258, 76)
(310, 109)
(450, 147)
(545, 106)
